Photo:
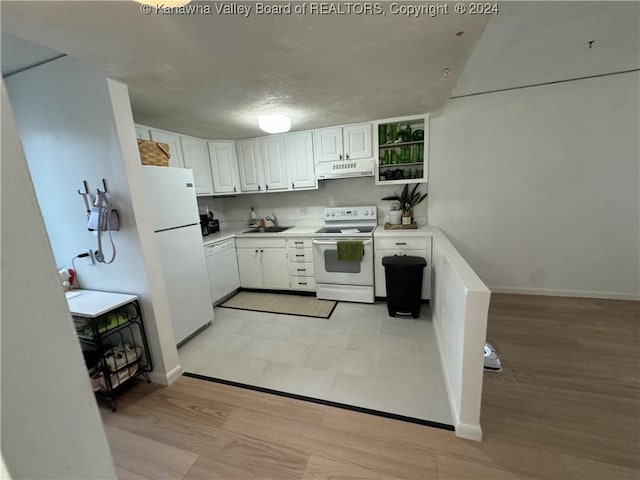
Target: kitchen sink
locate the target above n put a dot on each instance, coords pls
(267, 230)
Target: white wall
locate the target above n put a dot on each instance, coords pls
(538, 188)
(330, 193)
(66, 121)
(460, 308)
(163, 329)
(51, 427)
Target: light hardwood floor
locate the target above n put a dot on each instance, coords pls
(566, 406)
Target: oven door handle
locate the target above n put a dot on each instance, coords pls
(335, 242)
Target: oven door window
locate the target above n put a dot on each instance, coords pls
(333, 265)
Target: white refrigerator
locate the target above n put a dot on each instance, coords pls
(176, 225)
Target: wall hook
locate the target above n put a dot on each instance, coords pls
(86, 196)
(86, 189)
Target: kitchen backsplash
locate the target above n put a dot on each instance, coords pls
(307, 207)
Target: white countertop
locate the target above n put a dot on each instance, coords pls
(219, 236)
(93, 303)
(424, 231)
(306, 230)
(298, 231)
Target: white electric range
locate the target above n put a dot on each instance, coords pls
(350, 281)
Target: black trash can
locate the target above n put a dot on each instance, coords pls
(403, 276)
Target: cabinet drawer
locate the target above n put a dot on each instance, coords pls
(301, 269)
(299, 242)
(303, 283)
(261, 242)
(404, 243)
(301, 255)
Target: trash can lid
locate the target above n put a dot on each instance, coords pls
(403, 261)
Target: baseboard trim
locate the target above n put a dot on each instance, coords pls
(470, 432)
(166, 379)
(174, 374)
(565, 293)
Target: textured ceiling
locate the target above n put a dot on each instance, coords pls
(212, 75)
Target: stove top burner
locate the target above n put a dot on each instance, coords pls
(346, 230)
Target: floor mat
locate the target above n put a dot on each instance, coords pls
(281, 303)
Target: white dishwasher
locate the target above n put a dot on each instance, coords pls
(222, 265)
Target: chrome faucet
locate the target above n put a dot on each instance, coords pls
(273, 220)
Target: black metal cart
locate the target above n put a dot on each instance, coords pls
(113, 340)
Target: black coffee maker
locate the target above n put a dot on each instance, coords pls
(208, 224)
(213, 224)
(204, 224)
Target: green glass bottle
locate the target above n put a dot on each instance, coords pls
(382, 134)
(393, 133)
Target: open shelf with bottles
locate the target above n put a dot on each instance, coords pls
(401, 151)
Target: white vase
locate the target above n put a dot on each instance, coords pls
(406, 220)
(394, 217)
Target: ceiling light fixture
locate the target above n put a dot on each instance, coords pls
(166, 3)
(275, 123)
(446, 72)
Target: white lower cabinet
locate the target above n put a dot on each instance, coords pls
(301, 273)
(262, 263)
(414, 246)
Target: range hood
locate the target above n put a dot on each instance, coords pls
(344, 169)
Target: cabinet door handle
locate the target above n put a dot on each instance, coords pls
(401, 243)
(299, 243)
(340, 157)
(299, 255)
(293, 185)
(256, 251)
(261, 251)
(301, 269)
(259, 188)
(234, 189)
(347, 156)
(302, 283)
(267, 187)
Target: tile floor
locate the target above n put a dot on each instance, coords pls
(360, 356)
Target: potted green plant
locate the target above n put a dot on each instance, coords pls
(408, 200)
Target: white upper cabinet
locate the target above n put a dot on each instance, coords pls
(328, 142)
(224, 167)
(249, 165)
(351, 142)
(357, 141)
(299, 152)
(142, 133)
(274, 163)
(173, 140)
(195, 156)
